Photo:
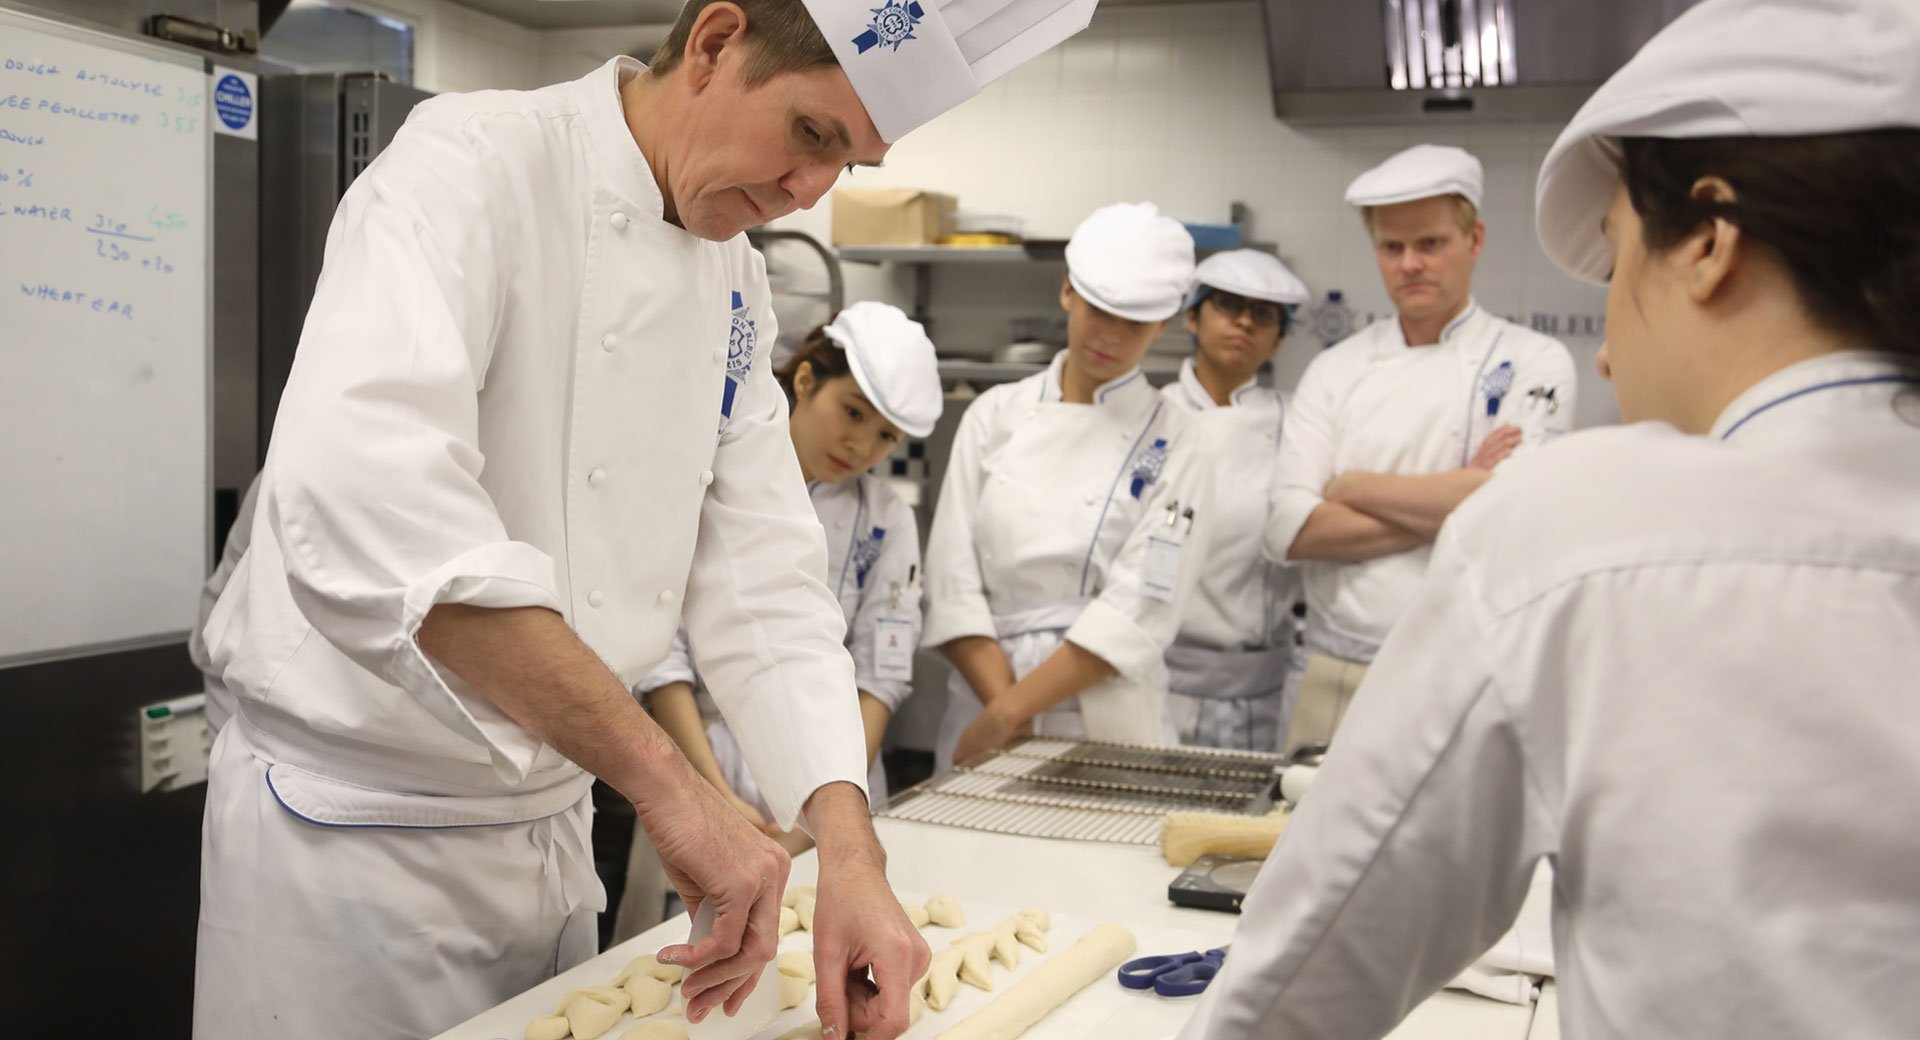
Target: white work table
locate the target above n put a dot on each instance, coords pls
(1081, 883)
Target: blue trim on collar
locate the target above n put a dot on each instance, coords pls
(1473, 308)
(1086, 565)
(1816, 388)
(1100, 395)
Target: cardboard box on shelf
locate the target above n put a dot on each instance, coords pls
(891, 216)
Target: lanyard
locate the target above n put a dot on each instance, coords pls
(1814, 389)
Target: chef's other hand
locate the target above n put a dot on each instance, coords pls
(711, 852)
(1496, 447)
(994, 727)
(866, 954)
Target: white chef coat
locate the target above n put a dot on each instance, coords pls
(517, 386)
(1042, 534)
(220, 700)
(873, 563)
(1228, 665)
(1373, 403)
(1683, 669)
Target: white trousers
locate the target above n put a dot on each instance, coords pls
(318, 931)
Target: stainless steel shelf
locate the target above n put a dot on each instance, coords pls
(934, 254)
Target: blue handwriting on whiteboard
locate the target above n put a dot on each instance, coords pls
(85, 301)
(52, 214)
(32, 68)
(105, 79)
(21, 177)
(168, 221)
(107, 249)
(28, 103)
(25, 140)
(105, 225)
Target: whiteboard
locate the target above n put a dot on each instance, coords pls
(105, 160)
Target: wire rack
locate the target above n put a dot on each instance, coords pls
(1089, 791)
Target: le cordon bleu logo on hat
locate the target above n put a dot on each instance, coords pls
(893, 24)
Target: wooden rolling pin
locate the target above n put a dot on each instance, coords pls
(1185, 837)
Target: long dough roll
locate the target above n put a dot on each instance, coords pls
(1051, 985)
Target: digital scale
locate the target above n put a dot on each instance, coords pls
(1215, 883)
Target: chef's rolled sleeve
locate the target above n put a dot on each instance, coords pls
(374, 498)
(767, 634)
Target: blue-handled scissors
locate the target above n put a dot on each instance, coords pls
(1173, 975)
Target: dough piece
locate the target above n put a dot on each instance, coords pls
(944, 911)
(793, 990)
(789, 921)
(548, 1027)
(976, 953)
(650, 966)
(797, 963)
(795, 892)
(916, 913)
(649, 996)
(1050, 985)
(591, 1012)
(1036, 917)
(916, 1002)
(658, 1029)
(810, 1031)
(804, 910)
(1028, 935)
(943, 978)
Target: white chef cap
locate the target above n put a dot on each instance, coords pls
(910, 60)
(1127, 259)
(1420, 172)
(893, 361)
(1250, 273)
(1730, 68)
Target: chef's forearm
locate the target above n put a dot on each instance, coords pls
(982, 664)
(842, 824)
(1418, 504)
(1339, 533)
(676, 711)
(530, 665)
(1065, 674)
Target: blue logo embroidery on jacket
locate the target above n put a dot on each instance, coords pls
(740, 340)
(892, 25)
(1495, 385)
(1146, 469)
(865, 553)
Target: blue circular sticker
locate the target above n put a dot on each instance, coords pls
(233, 101)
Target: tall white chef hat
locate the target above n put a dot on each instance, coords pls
(1730, 68)
(893, 361)
(1250, 273)
(1420, 172)
(910, 60)
(1127, 259)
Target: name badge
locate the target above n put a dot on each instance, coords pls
(1160, 574)
(893, 649)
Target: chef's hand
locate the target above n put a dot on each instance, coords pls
(1496, 447)
(996, 725)
(866, 954)
(712, 853)
(748, 810)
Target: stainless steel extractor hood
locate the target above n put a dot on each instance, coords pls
(1400, 61)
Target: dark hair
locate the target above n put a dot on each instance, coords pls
(784, 37)
(1842, 211)
(819, 353)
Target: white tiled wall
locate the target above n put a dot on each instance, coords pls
(1171, 105)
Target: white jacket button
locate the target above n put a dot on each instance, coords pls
(595, 598)
(597, 477)
(607, 341)
(618, 220)
(666, 597)
(720, 354)
(706, 478)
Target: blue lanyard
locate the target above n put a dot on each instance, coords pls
(1816, 388)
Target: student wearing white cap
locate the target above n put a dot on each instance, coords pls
(1073, 512)
(1227, 669)
(1392, 428)
(1675, 658)
(858, 386)
(539, 330)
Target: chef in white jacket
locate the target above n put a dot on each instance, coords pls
(539, 332)
(1074, 511)
(1676, 658)
(1393, 427)
(1227, 669)
(857, 387)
